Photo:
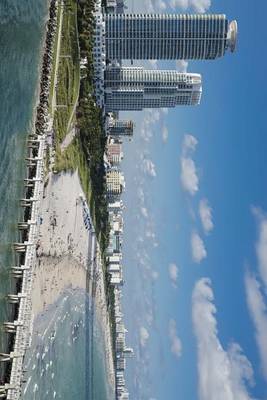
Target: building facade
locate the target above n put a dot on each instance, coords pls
(128, 88)
(168, 36)
(115, 182)
(118, 127)
(114, 153)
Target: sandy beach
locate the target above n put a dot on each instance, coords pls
(63, 248)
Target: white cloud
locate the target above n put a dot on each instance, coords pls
(165, 133)
(198, 249)
(164, 110)
(173, 273)
(189, 143)
(150, 234)
(205, 213)
(155, 275)
(189, 177)
(144, 336)
(153, 6)
(149, 168)
(199, 6)
(181, 66)
(223, 374)
(151, 118)
(141, 195)
(144, 212)
(176, 344)
(256, 289)
(258, 312)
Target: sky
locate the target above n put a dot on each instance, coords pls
(195, 241)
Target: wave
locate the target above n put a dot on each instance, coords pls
(22, 11)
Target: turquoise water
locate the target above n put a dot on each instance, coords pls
(21, 29)
(66, 359)
(79, 372)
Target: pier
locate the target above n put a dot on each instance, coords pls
(20, 328)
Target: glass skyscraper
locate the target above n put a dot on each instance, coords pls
(129, 88)
(168, 36)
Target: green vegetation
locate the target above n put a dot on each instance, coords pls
(86, 151)
(53, 73)
(67, 88)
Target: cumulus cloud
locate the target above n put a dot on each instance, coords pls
(205, 213)
(144, 212)
(189, 143)
(256, 289)
(149, 168)
(165, 133)
(189, 177)
(141, 194)
(199, 6)
(198, 249)
(143, 335)
(150, 119)
(182, 65)
(222, 374)
(258, 311)
(173, 273)
(176, 344)
(153, 6)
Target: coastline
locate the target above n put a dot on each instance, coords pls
(54, 244)
(66, 268)
(63, 256)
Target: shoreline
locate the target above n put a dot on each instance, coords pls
(20, 325)
(63, 256)
(53, 248)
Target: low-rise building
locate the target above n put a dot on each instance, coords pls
(115, 206)
(114, 153)
(118, 128)
(115, 182)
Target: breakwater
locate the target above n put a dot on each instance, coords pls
(18, 329)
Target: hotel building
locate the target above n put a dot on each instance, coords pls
(129, 88)
(168, 36)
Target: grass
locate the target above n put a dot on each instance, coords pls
(53, 74)
(73, 159)
(68, 81)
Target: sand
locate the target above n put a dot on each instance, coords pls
(63, 248)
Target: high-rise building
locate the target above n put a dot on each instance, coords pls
(168, 36)
(118, 127)
(128, 88)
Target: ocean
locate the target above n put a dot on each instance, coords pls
(67, 357)
(21, 30)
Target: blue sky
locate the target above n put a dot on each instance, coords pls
(196, 227)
